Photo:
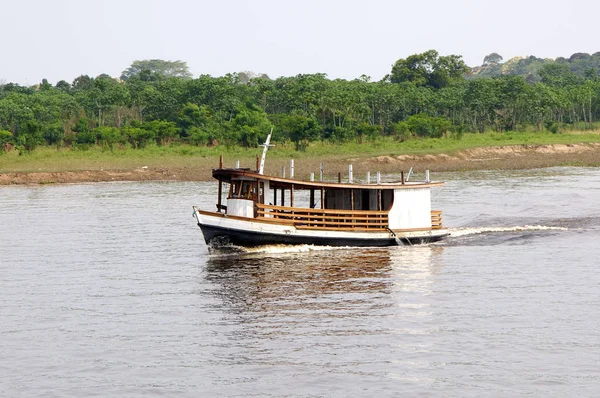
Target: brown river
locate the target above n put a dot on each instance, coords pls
(108, 290)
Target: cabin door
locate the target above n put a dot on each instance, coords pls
(365, 200)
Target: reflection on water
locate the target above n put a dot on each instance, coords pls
(336, 281)
(324, 318)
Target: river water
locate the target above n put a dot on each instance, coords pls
(108, 290)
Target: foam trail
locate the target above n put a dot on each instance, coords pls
(276, 249)
(456, 232)
(228, 250)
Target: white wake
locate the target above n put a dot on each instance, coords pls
(456, 232)
(271, 249)
(277, 249)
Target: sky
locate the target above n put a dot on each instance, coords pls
(63, 39)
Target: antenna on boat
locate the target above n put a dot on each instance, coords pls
(265, 146)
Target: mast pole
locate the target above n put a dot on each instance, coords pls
(265, 146)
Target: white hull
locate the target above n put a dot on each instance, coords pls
(250, 232)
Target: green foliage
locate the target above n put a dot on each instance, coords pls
(29, 136)
(366, 131)
(401, 131)
(53, 135)
(343, 134)
(164, 132)
(138, 137)
(429, 69)
(493, 58)
(535, 69)
(108, 137)
(457, 132)
(6, 140)
(553, 127)
(83, 82)
(87, 137)
(425, 95)
(300, 129)
(197, 136)
(423, 125)
(249, 125)
(558, 75)
(157, 66)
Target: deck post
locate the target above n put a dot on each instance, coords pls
(321, 172)
(350, 174)
(237, 164)
(402, 176)
(291, 168)
(275, 196)
(282, 197)
(312, 198)
(292, 196)
(368, 177)
(322, 198)
(378, 178)
(220, 194)
(339, 178)
(219, 200)
(257, 163)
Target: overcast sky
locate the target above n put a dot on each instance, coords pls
(63, 39)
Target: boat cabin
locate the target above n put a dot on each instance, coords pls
(394, 206)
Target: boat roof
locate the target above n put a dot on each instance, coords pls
(230, 175)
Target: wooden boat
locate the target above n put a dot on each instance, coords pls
(263, 210)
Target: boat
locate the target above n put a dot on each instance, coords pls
(254, 209)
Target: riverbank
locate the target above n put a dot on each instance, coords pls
(507, 157)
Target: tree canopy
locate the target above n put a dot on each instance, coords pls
(493, 58)
(425, 96)
(429, 69)
(157, 66)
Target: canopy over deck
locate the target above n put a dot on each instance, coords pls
(228, 175)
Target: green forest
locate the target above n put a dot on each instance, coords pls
(157, 102)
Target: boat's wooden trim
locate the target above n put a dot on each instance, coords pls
(266, 220)
(257, 219)
(318, 218)
(410, 230)
(318, 228)
(209, 213)
(326, 218)
(316, 211)
(228, 175)
(436, 219)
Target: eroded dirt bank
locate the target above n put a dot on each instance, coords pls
(505, 157)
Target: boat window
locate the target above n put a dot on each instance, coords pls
(261, 192)
(243, 190)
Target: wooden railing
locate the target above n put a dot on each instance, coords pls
(436, 219)
(304, 218)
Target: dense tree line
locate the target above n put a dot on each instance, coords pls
(158, 103)
(580, 64)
